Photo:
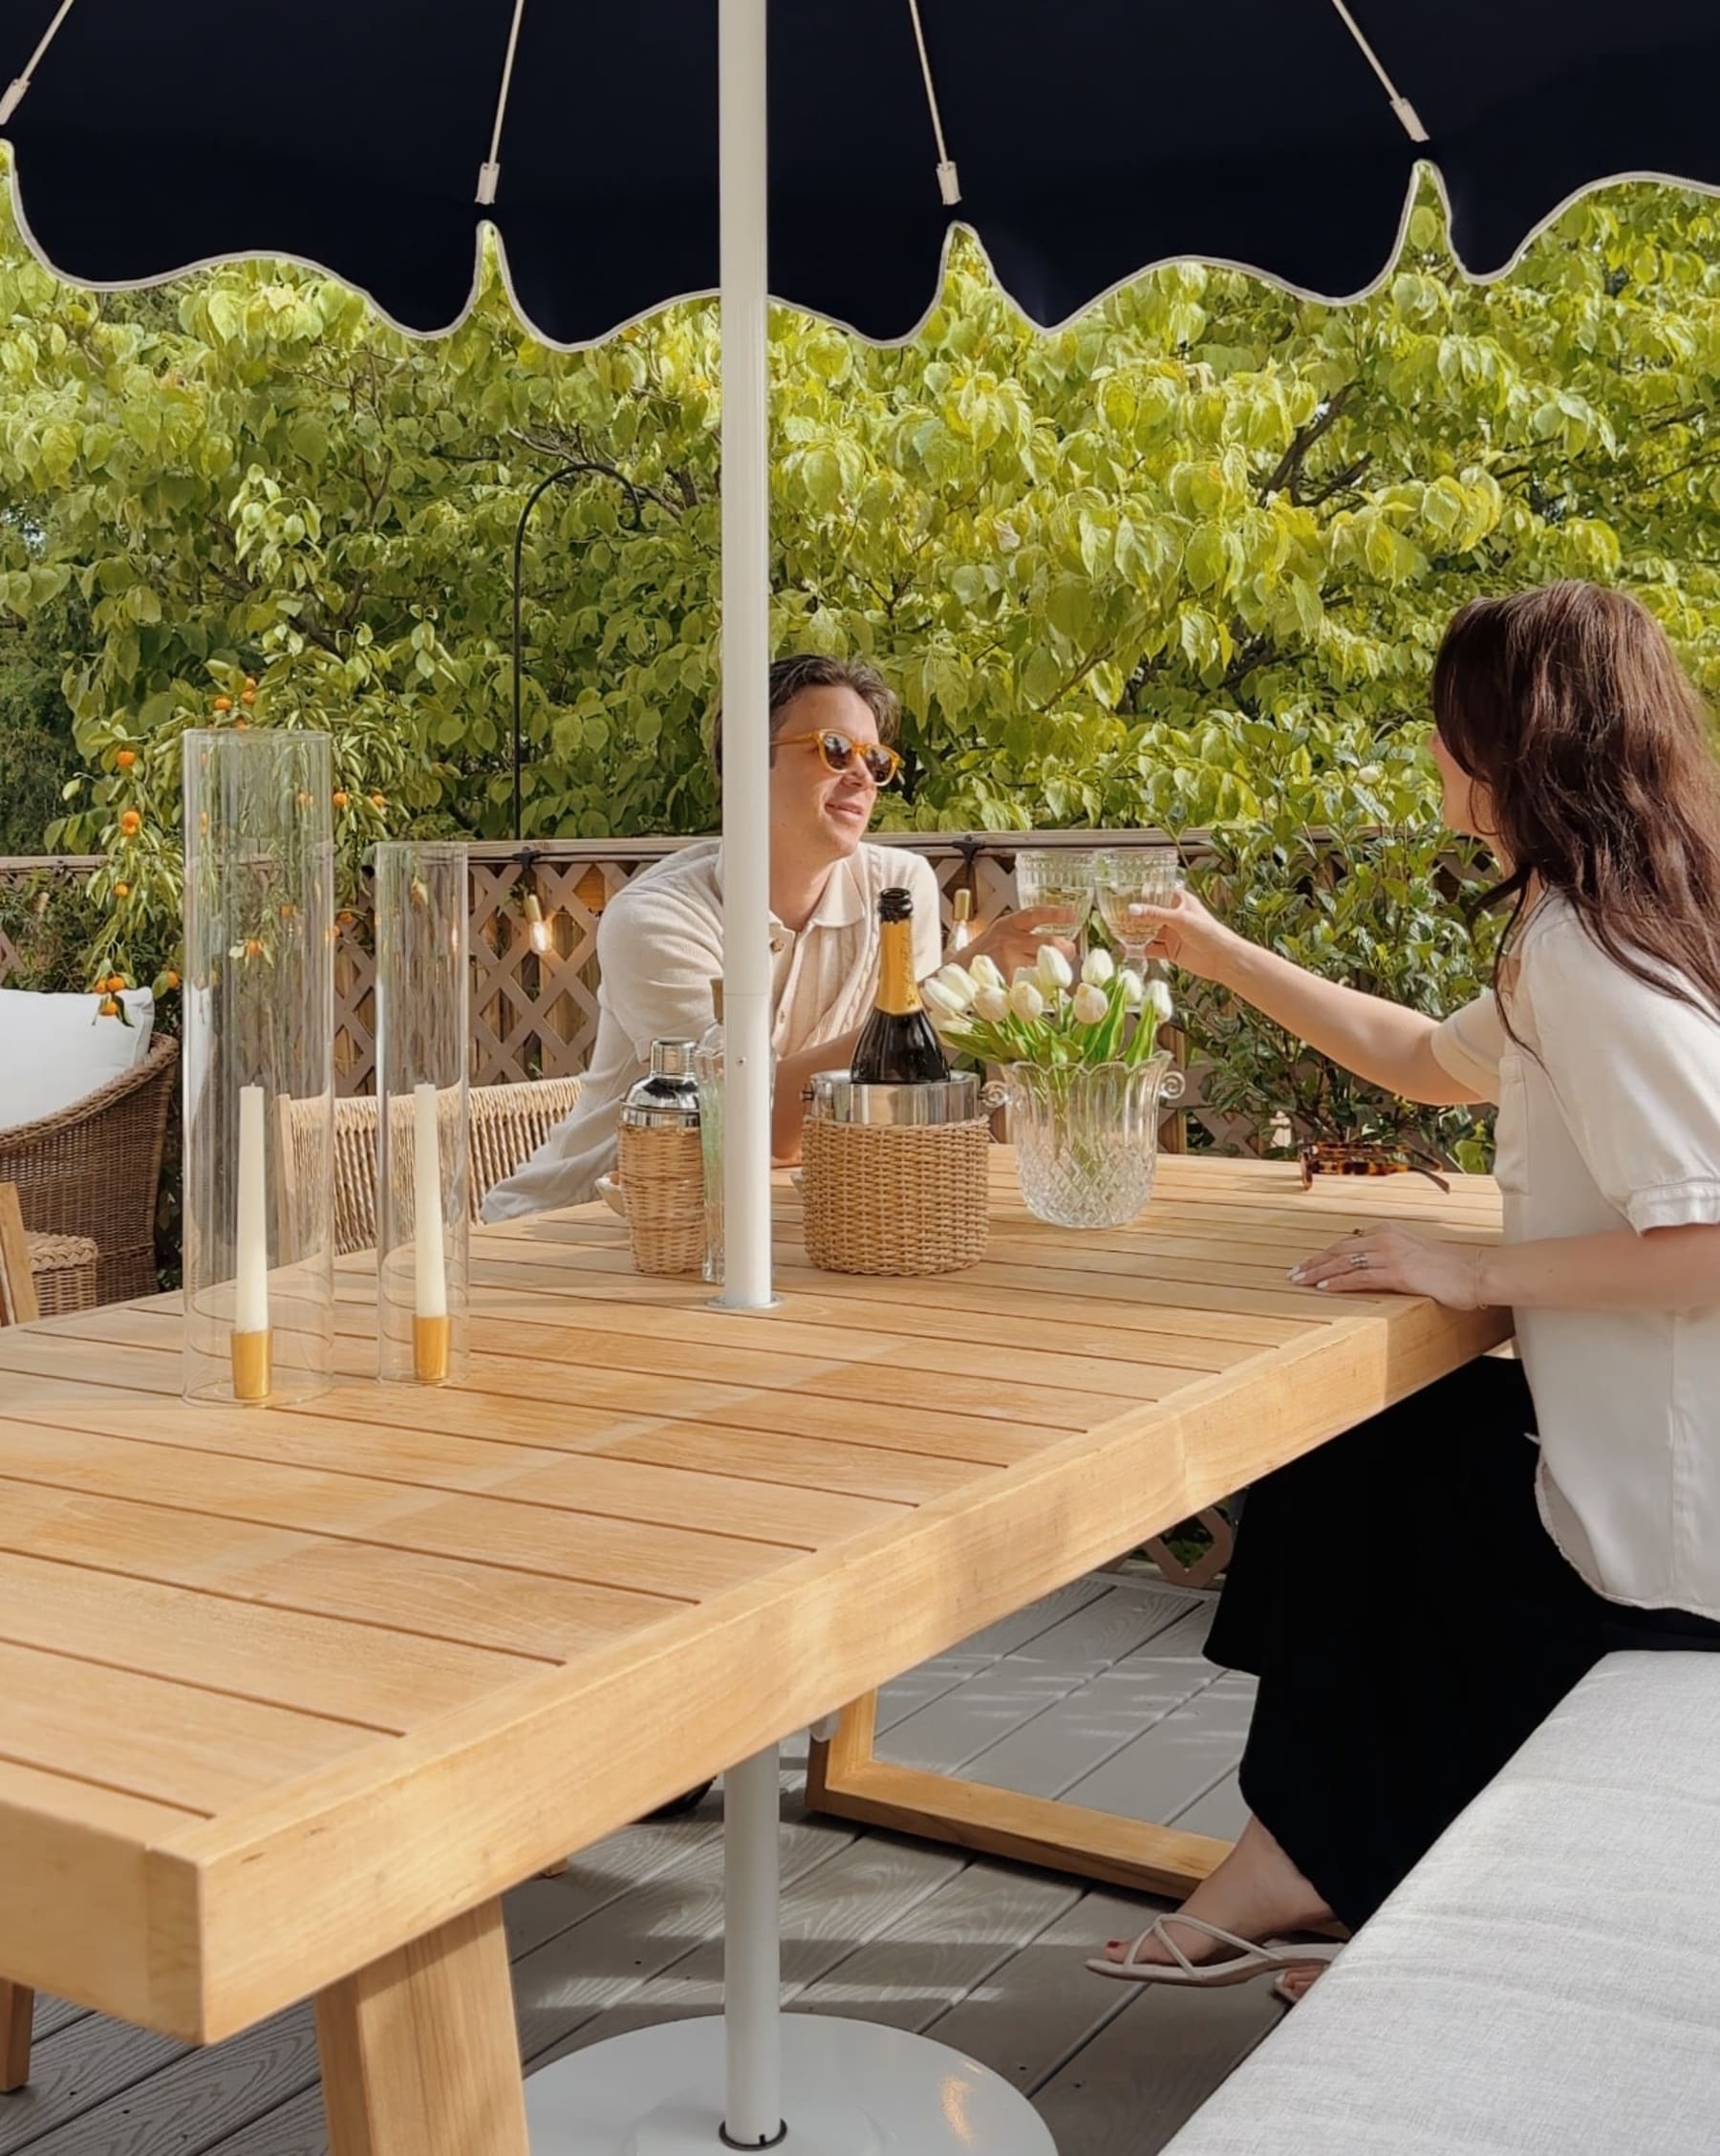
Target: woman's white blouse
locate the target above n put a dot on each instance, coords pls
(1609, 1117)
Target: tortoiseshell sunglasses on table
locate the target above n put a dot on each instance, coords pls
(1326, 1157)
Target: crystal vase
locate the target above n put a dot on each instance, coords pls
(1087, 1141)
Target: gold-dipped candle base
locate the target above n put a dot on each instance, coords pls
(432, 1346)
(252, 1365)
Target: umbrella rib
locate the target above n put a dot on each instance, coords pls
(489, 172)
(15, 89)
(949, 186)
(1400, 104)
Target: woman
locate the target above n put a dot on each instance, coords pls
(1484, 1574)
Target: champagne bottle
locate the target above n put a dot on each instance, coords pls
(898, 1045)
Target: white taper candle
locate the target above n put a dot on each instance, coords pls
(250, 1292)
(431, 1299)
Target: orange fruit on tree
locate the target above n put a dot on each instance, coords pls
(251, 693)
(170, 980)
(379, 801)
(253, 946)
(107, 1007)
(239, 725)
(122, 891)
(250, 684)
(340, 797)
(131, 823)
(126, 757)
(223, 704)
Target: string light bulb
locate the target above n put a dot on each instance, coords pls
(537, 928)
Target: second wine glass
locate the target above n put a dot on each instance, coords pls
(1128, 877)
(1060, 885)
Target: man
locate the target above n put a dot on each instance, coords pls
(660, 944)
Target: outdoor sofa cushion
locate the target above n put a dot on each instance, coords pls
(56, 1050)
(1547, 1980)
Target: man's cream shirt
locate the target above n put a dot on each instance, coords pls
(659, 946)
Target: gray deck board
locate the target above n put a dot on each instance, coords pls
(1099, 1691)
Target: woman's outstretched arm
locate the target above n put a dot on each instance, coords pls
(1379, 1041)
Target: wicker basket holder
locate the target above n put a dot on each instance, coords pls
(662, 1186)
(896, 1198)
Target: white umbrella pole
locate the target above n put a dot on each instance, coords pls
(745, 659)
(753, 2106)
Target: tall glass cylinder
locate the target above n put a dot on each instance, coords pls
(422, 1158)
(258, 1066)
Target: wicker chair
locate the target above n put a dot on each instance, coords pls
(507, 1124)
(94, 1170)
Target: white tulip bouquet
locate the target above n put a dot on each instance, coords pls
(1046, 1016)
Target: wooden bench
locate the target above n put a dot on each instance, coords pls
(1547, 1978)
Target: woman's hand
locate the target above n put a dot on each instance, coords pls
(1393, 1261)
(1017, 939)
(1189, 936)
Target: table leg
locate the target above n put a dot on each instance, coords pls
(420, 2056)
(845, 1779)
(17, 2010)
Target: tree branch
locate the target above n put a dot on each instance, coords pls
(1287, 472)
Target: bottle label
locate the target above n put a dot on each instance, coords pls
(899, 991)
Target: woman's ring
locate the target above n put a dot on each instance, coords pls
(1358, 1260)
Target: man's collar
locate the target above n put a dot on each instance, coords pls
(841, 904)
(843, 901)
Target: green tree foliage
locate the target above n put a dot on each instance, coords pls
(1185, 562)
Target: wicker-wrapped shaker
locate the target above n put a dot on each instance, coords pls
(662, 1166)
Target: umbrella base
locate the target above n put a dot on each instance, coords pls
(850, 2089)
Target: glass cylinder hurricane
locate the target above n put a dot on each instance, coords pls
(422, 1156)
(258, 1066)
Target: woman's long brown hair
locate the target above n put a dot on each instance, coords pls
(1569, 705)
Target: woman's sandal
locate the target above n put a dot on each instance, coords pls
(1250, 1960)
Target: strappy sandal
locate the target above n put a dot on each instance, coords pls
(1250, 1958)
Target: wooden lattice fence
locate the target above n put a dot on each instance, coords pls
(534, 1014)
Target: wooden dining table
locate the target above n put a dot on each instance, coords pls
(293, 1695)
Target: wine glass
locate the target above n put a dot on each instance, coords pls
(1059, 884)
(1132, 877)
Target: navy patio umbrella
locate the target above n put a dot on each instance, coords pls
(638, 151)
(1081, 139)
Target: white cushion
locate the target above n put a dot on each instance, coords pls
(1547, 1980)
(56, 1049)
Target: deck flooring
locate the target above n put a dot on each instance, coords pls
(1100, 1693)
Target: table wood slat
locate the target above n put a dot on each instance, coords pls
(923, 1323)
(147, 1736)
(394, 1590)
(602, 1552)
(516, 1473)
(990, 1432)
(276, 1657)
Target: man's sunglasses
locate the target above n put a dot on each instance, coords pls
(1324, 1156)
(837, 752)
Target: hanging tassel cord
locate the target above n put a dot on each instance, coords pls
(489, 172)
(1408, 116)
(948, 184)
(15, 89)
